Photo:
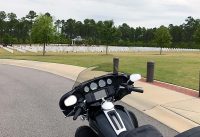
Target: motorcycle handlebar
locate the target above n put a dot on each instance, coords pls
(139, 90)
(78, 112)
(136, 89)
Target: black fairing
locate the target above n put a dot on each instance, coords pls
(98, 121)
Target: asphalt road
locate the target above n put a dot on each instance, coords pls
(29, 105)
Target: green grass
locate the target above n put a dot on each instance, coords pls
(176, 68)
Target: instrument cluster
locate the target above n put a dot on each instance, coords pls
(97, 85)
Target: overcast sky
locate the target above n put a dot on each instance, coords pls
(147, 13)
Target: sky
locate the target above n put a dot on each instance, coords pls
(145, 13)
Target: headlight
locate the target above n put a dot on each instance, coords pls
(71, 100)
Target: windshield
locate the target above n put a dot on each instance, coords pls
(89, 73)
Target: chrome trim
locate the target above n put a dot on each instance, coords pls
(106, 111)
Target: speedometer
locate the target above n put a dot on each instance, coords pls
(93, 86)
(102, 83)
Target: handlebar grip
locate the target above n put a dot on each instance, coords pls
(78, 112)
(139, 90)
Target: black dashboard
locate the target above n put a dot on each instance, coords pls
(97, 84)
(101, 87)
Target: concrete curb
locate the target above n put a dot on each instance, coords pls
(180, 89)
(67, 71)
(176, 86)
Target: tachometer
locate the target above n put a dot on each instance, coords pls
(86, 89)
(102, 83)
(93, 86)
(109, 81)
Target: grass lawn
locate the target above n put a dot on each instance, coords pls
(176, 68)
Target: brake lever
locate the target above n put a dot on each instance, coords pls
(70, 113)
(124, 85)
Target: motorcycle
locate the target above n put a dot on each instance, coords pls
(92, 97)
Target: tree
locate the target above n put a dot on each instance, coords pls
(189, 28)
(79, 28)
(2, 24)
(43, 30)
(12, 16)
(31, 16)
(23, 31)
(57, 25)
(162, 37)
(48, 14)
(138, 34)
(176, 33)
(2, 15)
(90, 29)
(69, 28)
(11, 25)
(197, 35)
(125, 32)
(149, 36)
(62, 26)
(108, 31)
(6, 39)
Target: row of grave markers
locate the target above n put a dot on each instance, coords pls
(102, 48)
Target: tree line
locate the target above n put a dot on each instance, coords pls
(43, 28)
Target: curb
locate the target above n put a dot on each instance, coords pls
(67, 71)
(180, 89)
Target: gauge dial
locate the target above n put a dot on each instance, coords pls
(102, 83)
(109, 81)
(93, 86)
(86, 89)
